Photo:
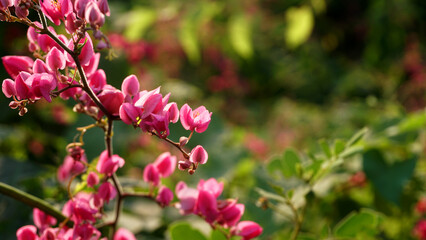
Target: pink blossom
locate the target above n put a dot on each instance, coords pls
(8, 88)
(86, 51)
(103, 6)
(16, 64)
(107, 191)
(22, 86)
(5, 4)
(207, 205)
(86, 231)
(230, 213)
(70, 167)
(42, 220)
(421, 206)
(130, 85)
(42, 85)
(129, 114)
(92, 179)
(107, 164)
(198, 155)
(187, 198)
(247, 230)
(123, 234)
(21, 8)
(165, 196)
(90, 68)
(420, 230)
(80, 208)
(173, 112)
(97, 80)
(93, 15)
(151, 174)
(197, 120)
(49, 234)
(40, 67)
(165, 164)
(56, 10)
(55, 59)
(212, 186)
(112, 99)
(27, 232)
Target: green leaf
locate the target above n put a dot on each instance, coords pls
(240, 35)
(365, 222)
(389, 180)
(189, 40)
(290, 163)
(339, 146)
(356, 137)
(274, 165)
(139, 21)
(217, 235)
(325, 147)
(300, 22)
(181, 231)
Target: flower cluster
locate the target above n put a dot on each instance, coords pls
(203, 201)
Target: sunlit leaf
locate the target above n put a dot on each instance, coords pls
(356, 137)
(325, 148)
(189, 40)
(240, 35)
(139, 21)
(181, 231)
(364, 222)
(300, 22)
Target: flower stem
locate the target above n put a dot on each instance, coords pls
(33, 201)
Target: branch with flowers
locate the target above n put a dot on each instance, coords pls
(66, 66)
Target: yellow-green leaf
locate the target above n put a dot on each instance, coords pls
(240, 35)
(300, 22)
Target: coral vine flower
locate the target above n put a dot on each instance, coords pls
(198, 155)
(165, 196)
(248, 230)
(123, 234)
(197, 120)
(151, 174)
(165, 164)
(109, 165)
(16, 64)
(107, 191)
(56, 10)
(27, 232)
(42, 220)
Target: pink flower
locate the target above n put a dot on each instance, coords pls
(97, 80)
(40, 67)
(93, 65)
(129, 114)
(165, 164)
(55, 59)
(112, 99)
(42, 220)
(231, 213)
(8, 88)
(93, 15)
(123, 234)
(107, 191)
(56, 10)
(165, 196)
(187, 198)
(151, 174)
(109, 165)
(5, 4)
(173, 111)
(49, 234)
(103, 6)
(22, 86)
(92, 179)
(86, 231)
(80, 208)
(197, 120)
(86, 51)
(247, 230)
(42, 85)
(421, 206)
(130, 85)
(70, 167)
(27, 232)
(420, 230)
(207, 205)
(212, 186)
(16, 64)
(198, 155)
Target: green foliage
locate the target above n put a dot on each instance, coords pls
(359, 225)
(181, 231)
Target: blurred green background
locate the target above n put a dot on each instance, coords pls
(275, 74)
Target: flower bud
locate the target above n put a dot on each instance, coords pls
(151, 174)
(183, 141)
(165, 196)
(130, 85)
(165, 164)
(198, 155)
(123, 234)
(55, 59)
(107, 191)
(92, 179)
(27, 232)
(8, 88)
(247, 229)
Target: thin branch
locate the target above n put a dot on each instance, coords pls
(33, 201)
(177, 145)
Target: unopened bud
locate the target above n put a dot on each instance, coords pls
(22, 111)
(101, 45)
(183, 141)
(78, 108)
(97, 34)
(91, 110)
(184, 164)
(14, 104)
(191, 171)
